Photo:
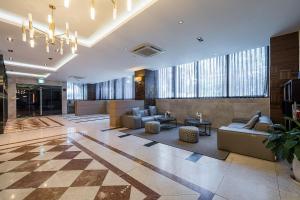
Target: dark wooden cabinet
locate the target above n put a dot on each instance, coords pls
(3, 95)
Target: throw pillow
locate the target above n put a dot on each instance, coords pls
(251, 123)
(136, 111)
(152, 110)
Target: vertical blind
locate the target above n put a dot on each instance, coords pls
(241, 74)
(76, 91)
(248, 73)
(185, 81)
(212, 77)
(165, 82)
(115, 89)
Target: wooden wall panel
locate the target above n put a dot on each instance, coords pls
(284, 54)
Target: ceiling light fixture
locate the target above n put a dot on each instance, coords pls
(180, 22)
(67, 3)
(129, 5)
(115, 9)
(200, 39)
(93, 11)
(10, 39)
(50, 37)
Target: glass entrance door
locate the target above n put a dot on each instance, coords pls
(28, 101)
(36, 100)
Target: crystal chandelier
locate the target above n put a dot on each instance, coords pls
(51, 38)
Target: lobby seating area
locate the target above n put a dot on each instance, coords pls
(150, 100)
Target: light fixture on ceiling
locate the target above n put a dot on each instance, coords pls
(93, 10)
(10, 39)
(115, 9)
(200, 39)
(129, 5)
(50, 37)
(67, 3)
(180, 22)
(10, 50)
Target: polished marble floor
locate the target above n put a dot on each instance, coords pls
(89, 160)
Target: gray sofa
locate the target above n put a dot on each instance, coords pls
(136, 118)
(235, 138)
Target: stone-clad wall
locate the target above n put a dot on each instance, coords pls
(218, 111)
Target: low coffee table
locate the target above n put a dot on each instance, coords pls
(196, 122)
(167, 122)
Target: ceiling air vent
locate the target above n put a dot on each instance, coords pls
(147, 50)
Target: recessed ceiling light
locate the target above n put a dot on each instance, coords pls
(10, 50)
(10, 39)
(200, 39)
(45, 65)
(10, 58)
(180, 22)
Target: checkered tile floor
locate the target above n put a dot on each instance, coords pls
(32, 123)
(58, 169)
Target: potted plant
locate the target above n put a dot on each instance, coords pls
(285, 144)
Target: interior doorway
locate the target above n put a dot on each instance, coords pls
(38, 100)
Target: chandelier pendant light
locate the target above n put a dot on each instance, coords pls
(50, 37)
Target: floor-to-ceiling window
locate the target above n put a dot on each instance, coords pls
(116, 89)
(240, 74)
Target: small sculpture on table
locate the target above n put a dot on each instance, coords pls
(199, 115)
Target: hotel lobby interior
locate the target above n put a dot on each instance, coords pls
(150, 99)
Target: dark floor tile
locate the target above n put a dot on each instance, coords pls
(114, 193)
(77, 164)
(194, 157)
(24, 148)
(67, 155)
(46, 193)
(60, 148)
(26, 156)
(125, 135)
(55, 142)
(29, 166)
(150, 144)
(32, 180)
(90, 178)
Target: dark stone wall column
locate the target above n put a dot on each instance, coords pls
(145, 86)
(284, 54)
(91, 91)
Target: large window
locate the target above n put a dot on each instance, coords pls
(165, 82)
(115, 89)
(185, 81)
(241, 74)
(212, 77)
(76, 91)
(248, 73)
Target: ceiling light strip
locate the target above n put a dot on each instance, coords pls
(27, 74)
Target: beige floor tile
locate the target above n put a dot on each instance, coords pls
(136, 194)
(94, 165)
(53, 165)
(9, 178)
(46, 156)
(82, 155)
(180, 197)
(15, 194)
(159, 183)
(80, 193)
(61, 179)
(42, 148)
(238, 188)
(9, 156)
(113, 179)
(9, 165)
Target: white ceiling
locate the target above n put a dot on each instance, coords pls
(226, 26)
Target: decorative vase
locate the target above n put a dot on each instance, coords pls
(296, 168)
